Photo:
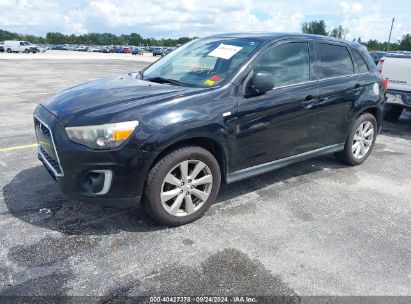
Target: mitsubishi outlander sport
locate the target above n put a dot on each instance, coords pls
(216, 110)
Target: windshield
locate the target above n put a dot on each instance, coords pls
(203, 63)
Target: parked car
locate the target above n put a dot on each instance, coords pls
(167, 51)
(118, 49)
(15, 46)
(60, 47)
(1, 47)
(397, 70)
(377, 55)
(157, 51)
(107, 50)
(127, 50)
(217, 110)
(137, 51)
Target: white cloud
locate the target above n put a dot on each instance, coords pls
(158, 18)
(351, 7)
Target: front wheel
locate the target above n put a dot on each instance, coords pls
(182, 186)
(360, 140)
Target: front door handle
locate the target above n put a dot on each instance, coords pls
(309, 101)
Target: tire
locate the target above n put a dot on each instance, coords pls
(26, 51)
(9, 51)
(357, 140)
(174, 209)
(392, 112)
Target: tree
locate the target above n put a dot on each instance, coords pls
(405, 43)
(339, 32)
(315, 27)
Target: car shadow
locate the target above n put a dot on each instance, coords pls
(33, 197)
(400, 128)
(282, 175)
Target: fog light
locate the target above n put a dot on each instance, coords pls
(97, 182)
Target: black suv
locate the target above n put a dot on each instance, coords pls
(218, 109)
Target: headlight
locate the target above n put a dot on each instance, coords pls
(106, 136)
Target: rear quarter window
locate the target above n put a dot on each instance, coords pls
(361, 63)
(335, 60)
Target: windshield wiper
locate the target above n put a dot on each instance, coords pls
(165, 80)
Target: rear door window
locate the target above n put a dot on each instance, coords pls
(288, 63)
(335, 60)
(362, 65)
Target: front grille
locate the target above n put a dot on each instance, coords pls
(54, 163)
(44, 130)
(50, 159)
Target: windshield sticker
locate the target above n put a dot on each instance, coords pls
(209, 82)
(225, 51)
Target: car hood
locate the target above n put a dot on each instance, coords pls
(106, 92)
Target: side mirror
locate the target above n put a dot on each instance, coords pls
(262, 82)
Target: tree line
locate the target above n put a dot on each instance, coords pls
(94, 39)
(314, 27)
(319, 28)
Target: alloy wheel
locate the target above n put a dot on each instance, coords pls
(186, 188)
(363, 139)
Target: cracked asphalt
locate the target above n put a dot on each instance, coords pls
(313, 228)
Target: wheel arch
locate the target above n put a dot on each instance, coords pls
(208, 143)
(376, 112)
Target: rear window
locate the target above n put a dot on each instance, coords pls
(362, 65)
(335, 61)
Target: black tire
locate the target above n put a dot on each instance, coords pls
(346, 156)
(9, 51)
(392, 112)
(26, 51)
(157, 174)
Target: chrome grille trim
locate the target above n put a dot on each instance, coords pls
(43, 157)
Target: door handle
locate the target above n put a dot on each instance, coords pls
(357, 87)
(309, 101)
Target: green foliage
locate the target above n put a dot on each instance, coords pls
(315, 27)
(94, 39)
(338, 32)
(405, 43)
(319, 28)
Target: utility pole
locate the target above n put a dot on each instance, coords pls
(389, 38)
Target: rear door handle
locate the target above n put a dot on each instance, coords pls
(357, 87)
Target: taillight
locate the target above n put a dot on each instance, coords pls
(385, 83)
(380, 64)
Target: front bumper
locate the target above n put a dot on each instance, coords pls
(72, 165)
(401, 98)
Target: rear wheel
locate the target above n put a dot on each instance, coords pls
(360, 140)
(392, 112)
(182, 186)
(26, 51)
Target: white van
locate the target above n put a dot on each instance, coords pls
(11, 46)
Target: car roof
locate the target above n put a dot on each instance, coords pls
(274, 36)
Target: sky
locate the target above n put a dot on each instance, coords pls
(368, 19)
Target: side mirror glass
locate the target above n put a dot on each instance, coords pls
(262, 82)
